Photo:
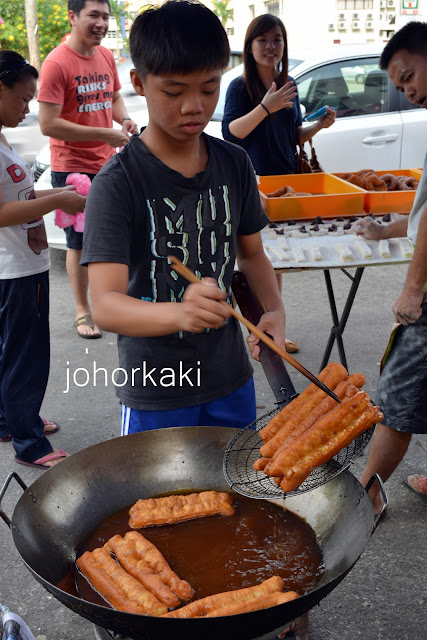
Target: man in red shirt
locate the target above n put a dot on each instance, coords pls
(79, 96)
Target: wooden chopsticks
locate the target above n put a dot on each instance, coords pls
(191, 277)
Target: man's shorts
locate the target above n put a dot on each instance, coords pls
(74, 239)
(238, 409)
(401, 391)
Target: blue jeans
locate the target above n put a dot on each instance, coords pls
(238, 409)
(24, 362)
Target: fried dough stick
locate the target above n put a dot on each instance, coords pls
(262, 602)
(204, 606)
(277, 422)
(171, 509)
(324, 439)
(346, 388)
(269, 448)
(118, 588)
(142, 560)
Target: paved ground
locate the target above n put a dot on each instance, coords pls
(384, 595)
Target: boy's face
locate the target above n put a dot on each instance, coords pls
(179, 106)
(408, 73)
(91, 24)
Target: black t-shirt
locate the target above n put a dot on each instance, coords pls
(138, 212)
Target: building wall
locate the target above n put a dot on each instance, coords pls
(321, 23)
(312, 24)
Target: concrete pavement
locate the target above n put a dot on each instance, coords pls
(384, 595)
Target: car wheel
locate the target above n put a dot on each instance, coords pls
(360, 78)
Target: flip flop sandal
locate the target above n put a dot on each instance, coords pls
(47, 432)
(291, 346)
(423, 483)
(87, 321)
(48, 458)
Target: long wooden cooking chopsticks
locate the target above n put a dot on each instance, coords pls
(191, 277)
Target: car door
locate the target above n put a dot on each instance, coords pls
(414, 137)
(367, 134)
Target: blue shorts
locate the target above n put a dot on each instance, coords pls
(238, 409)
(74, 239)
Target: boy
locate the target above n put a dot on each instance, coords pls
(402, 385)
(175, 191)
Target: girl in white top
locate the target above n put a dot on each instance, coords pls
(24, 284)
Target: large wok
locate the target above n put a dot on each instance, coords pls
(58, 512)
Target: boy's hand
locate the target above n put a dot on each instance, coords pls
(201, 309)
(273, 323)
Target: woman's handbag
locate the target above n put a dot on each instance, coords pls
(304, 163)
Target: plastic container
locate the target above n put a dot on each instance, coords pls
(331, 197)
(392, 201)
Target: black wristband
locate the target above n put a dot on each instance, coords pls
(264, 107)
(125, 118)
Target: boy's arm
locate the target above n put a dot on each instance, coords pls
(21, 211)
(407, 307)
(114, 310)
(253, 262)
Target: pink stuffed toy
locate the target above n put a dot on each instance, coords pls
(62, 219)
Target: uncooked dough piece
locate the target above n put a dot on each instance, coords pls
(299, 234)
(344, 252)
(299, 255)
(384, 249)
(363, 248)
(315, 252)
(278, 253)
(405, 248)
(283, 243)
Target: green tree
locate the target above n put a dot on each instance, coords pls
(53, 25)
(118, 12)
(222, 11)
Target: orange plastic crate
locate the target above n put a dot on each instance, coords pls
(392, 201)
(331, 197)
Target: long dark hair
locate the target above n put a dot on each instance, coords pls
(14, 68)
(258, 26)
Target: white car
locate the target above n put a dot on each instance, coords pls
(376, 126)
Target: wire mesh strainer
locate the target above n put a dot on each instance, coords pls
(243, 450)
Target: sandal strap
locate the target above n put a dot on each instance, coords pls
(423, 484)
(86, 320)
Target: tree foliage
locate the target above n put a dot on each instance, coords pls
(53, 25)
(221, 10)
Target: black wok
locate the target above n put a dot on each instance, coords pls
(58, 512)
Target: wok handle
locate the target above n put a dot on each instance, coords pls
(384, 507)
(8, 480)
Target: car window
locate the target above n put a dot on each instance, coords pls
(351, 87)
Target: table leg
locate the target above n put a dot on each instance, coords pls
(339, 323)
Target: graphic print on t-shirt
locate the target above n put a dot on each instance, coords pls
(93, 92)
(198, 231)
(36, 231)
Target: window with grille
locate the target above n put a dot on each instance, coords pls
(273, 7)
